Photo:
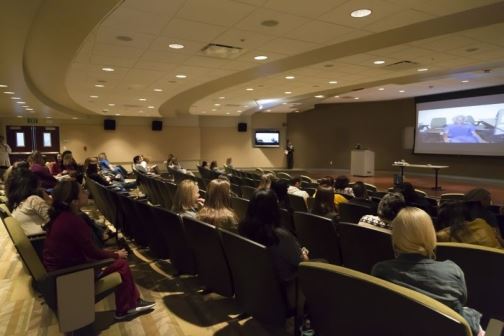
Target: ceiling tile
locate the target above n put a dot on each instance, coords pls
(167, 8)
(242, 38)
(215, 12)
(191, 30)
(288, 46)
(127, 62)
(319, 32)
(204, 61)
(396, 20)
(286, 22)
(303, 7)
(108, 35)
(123, 18)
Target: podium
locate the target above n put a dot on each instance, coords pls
(362, 162)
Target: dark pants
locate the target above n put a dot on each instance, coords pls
(290, 161)
(126, 295)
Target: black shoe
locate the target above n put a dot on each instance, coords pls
(142, 305)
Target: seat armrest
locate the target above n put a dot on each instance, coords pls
(95, 264)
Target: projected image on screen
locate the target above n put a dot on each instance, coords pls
(264, 138)
(471, 126)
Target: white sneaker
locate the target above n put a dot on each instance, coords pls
(142, 305)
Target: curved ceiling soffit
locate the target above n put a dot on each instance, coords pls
(475, 18)
(56, 34)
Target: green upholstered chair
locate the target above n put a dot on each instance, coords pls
(240, 206)
(352, 213)
(342, 301)
(297, 203)
(484, 275)
(247, 192)
(74, 308)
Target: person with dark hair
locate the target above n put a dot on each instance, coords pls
(137, 164)
(37, 166)
(204, 164)
(478, 200)
(388, 208)
(27, 202)
(69, 243)
(215, 167)
(412, 198)
(458, 227)
(280, 188)
(361, 196)
(328, 182)
(324, 203)
(341, 185)
(295, 184)
(68, 167)
(289, 152)
(262, 225)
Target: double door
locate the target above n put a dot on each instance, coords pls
(25, 139)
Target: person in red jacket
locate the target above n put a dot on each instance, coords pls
(69, 243)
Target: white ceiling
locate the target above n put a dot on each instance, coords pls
(146, 62)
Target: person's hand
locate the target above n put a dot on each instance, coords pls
(304, 254)
(122, 254)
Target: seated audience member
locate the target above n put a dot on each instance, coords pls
(93, 172)
(228, 165)
(341, 185)
(266, 180)
(328, 181)
(37, 166)
(388, 208)
(187, 199)
(412, 198)
(324, 203)
(152, 169)
(295, 183)
(137, 164)
(280, 188)
(69, 243)
(361, 196)
(119, 172)
(169, 161)
(217, 210)
(414, 241)
(478, 201)
(262, 225)
(29, 204)
(67, 166)
(458, 227)
(215, 167)
(204, 165)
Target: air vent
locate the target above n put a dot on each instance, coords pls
(402, 65)
(222, 51)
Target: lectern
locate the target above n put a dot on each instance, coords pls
(362, 162)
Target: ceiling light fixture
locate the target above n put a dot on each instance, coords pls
(111, 104)
(422, 69)
(239, 111)
(142, 99)
(151, 107)
(105, 110)
(3, 86)
(213, 110)
(333, 82)
(8, 92)
(20, 102)
(319, 96)
(216, 104)
(378, 62)
(20, 116)
(181, 76)
(360, 13)
(249, 89)
(158, 90)
(99, 85)
(356, 98)
(289, 77)
(15, 98)
(176, 46)
(288, 92)
(222, 97)
(402, 91)
(227, 113)
(118, 114)
(48, 117)
(108, 69)
(336, 96)
(29, 109)
(93, 96)
(464, 81)
(381, 89)
(261, 58)
(75, 118)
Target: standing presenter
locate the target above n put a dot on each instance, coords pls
(289, 152)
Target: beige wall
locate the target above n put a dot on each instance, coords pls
(330, 131)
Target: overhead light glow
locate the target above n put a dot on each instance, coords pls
(158, 90)
(29, 109)
(289, 77)
(402, 91)
(75, 118)
(181, 76)
(464, 81)
(20, 116)
(118, 114)
(319, 96)
(356, 98)
(151, 107)
(378, 62)
(422, 69)
(227, 113)
(8, 92)
(108, 69)
(249, 89)
(15, 98)
(360, 13)
(93, 96)
(333, 82)
(213, 110)
(111, 104)
(336, 96)
(99, 85)
(261, 58)
(176, 46)
(381, 89)
(3, 86)
(142, 99)
(239, 111)
(222, 97)
(288, 92)
(48, 117)
(20, 102)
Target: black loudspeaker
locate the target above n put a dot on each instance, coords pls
(242, 127)
(157, 125)
(109, 124)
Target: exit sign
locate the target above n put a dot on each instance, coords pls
(32, 120)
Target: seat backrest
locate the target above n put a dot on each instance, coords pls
(370, 187)
(211, 262)
(354, 303)
(352, 213)
(362, 246)
(256, 284)
(297, 203)
(484, 276)
(240, 206)
(319, 236)
(283, 175)
(247, 192)
(25, 250)
(451, 197)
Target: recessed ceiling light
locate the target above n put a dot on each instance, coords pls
(75, 118)
(48, 117)
(333, 82)
(93, 96)
(464, 81)
(203, 112)
(20, 102)
(249, 89)
(99, 85)
(284, 103)
(297, 111)
(381, 89)
(3, 85)
(8, 92)
(268, 110)
(269, 23)
(216, 104)
(227, 113)
(422, 69)
(108, 69)
(111, 104)
(158, 90)
(336, 96)
(142, 99)
(181, 76)
(118, 114)
(378, 62)
(288, 92)
(20, 116)
(360, 13)
(15, 98)
(289, 77)
(319, 96)
(213, 110)
(239, 111)
(151, 107)
(105, 110)
(222, 97)
(356, 98)
(402, 91)
(141, 111)
(29, 109)
(176, 46)
(261, 58)
(124, 38)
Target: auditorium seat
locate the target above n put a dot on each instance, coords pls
(74, 308)
(362, 246)
(297, 203)
(236, 189)
(257, 287)
(283, 175)
(319, 236)
(287, 221)
(484, 275)
(247, 192)
(211, 262)
(240, 206)
(342, 301)
(352, 213)
(451, 197)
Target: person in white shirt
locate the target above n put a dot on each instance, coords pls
(5, 150)
(295, 183)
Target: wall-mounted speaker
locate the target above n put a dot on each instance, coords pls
(242, 127)
(157, 125)
(109, 124)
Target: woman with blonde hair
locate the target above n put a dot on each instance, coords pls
(217, 210)
(187, 199)
(266, 180)
(414, 241)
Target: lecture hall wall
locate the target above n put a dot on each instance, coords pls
(329, 132)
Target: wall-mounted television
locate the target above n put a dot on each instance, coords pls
(266, 138)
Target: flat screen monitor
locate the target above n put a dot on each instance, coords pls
(266, 138)
(465, 126)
